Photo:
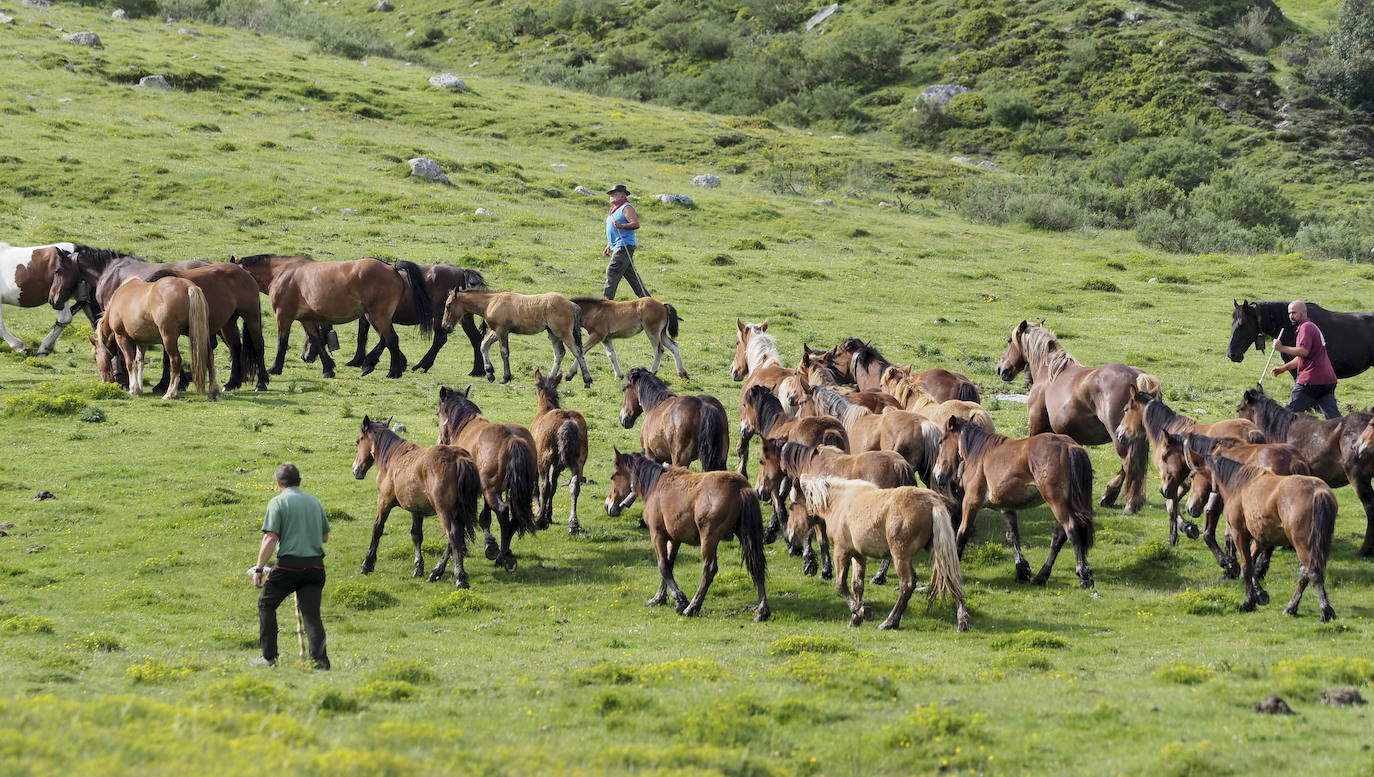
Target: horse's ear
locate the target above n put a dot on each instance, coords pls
(764, 326)
(1234, 303)
(952, 423)
(740, 325)
(1021, 327)
(93, 342)
(465, 391)
(388, 422)
(538, 375)
(444, 391)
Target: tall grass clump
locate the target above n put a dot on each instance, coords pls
(331, 34)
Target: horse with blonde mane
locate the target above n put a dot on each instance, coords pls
(910, 393)
(860, 363)
(756, 356)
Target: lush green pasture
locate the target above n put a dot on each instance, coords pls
(126, 616)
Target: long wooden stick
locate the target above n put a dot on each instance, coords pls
(1272, 351)
(300, 623)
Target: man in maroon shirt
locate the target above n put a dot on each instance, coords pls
(1316, 381)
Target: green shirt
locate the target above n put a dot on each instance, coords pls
(298, 520)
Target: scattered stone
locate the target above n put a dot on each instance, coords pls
(6, 525)
(1273, 705)
(185, 31)
(482, 212)
(154, 82)
(671, 199)
(6, 19)
(940, 94)
(398, 427)
(961, 160)
(119, 15)
(707, 180)
(424, 167)
(822, 15)
(84, 39)
(348, 211)
(559, 166)
(584, 191)
(825, 203)
(1022, 398)
(43, 495)
(1342, 697)
(1153, 280)
(383, 5)
(1134, 15)
(35, 548)
(838, 137)
(64, 99)
(988, 164)
(412, 33)
(885, 205)
(448, 81)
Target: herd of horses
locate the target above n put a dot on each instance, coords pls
(845, 436)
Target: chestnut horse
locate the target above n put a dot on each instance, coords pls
(506, 312)
(1014, 474)
(25, 274)
(793, 391)
(1264, 510)
(440, 480)
(860, 363)
(909, 434)
(505, 456)
(756, 356)
(1085, 403)
(314, 293)
(1349, 336)
(677, 429)
(763, 414)
(142, 313)
(560, 442)
(863, 520)
(686, 507)
(606, 320)
(911, 394)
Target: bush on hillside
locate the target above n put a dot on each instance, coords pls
(1010, 109)
(868, 55)
(1334, 240)
(1180, 160)
(979, 25)
(1242, 196)
(1345, 69)
(330, 34)
(1197, 232)
(1253, 30)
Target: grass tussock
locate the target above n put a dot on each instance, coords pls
(362, 596)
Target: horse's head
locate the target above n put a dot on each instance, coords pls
(771, 473)
(1014, 358)
(1174, 472)
(621, 493)
(367, 450)
(453, 310)
(948, 462)
(104, 361)
(751, 408)
(260, 266)
(1245, 329)
(630, 407)
(1365, 442)
(547, 387)
(739, 367)
(455, 410)
(65, 275)
(1132, 423)
(799, 521)
(1250, 402)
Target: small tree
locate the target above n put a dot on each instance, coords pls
(1345, 70)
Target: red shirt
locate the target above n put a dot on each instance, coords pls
(1314, 369)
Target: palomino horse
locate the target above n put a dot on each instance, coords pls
(677, 429)
(25, 275)
(756, 356)
(560, 440)
(606, 320)
(909, 434)
(1014, 474)
(1331, 447)
(691, 508)
(1264, 510)
(1277, 457)
(505, 456)
(1149, 415)
(314, 293)
(793, 391)
(506, 312)
(440, 480)
(1085, 403)
(1349, 336)
(864, 521)
(911, 394)
(860, 363)
(160, 311)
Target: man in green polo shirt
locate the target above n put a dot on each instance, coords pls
(296, 528)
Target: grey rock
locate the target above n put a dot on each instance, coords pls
(482, 212)
(348, 211)
(825, 203)
(185, 31)
(424, 167)
(64, 100)
(83, 39)
(383, 5)
(398, 427)
(885, 205)
(1342, 697)
(822, 15)
(674, 199)
(1134, 15)
(6, 19)
(988, 164)
(119, 14)
(154, 82)
(707, 180)
(961, 160)
(940, 94)
(448, 81)
(43, 495)
(559, 166)
(37, 3)
(584, 191)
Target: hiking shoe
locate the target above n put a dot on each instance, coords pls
(260, 661)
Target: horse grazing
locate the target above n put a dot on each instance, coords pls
(506, 312)
(606, 320)
(863, 520)
(1148, 415)
(440, 480)
(677, 429)
(1014, 474)
(1349, 336)
(314, 293)
(685, 507)
(1331, 447)
(25, 276)
(505, 456)
(1264, 510)
(860, 363)
(141, 313)
(1085, 403)
(910, 392)
(560, 442)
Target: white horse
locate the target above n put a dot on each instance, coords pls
(24, 282)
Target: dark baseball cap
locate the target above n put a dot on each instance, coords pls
(620, 187)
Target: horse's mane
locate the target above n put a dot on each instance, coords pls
(1231, 474)
(384, 441)
(834, 403)
(904, 389)
(471, 278)
(100, 258)
(1161, 419)
(644, 473)
(976, 441)
(1272, 418)
(762, 350)
(822, 374)
(819, 489)
(767, 408)
(456, 408)
(1199, 443)
(165, 272)
(1042, 349)
(248, 261)
(863, 355)
(651, 390)
(550, 390)
(796, 455)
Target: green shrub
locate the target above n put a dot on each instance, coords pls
(152, 671)
(1193, 233)
(1010, 109)
(31, 404)
(978, 25)
(335, 701)
(866, 55)
(102, 643)
(1042, 210)
(1028, 639)
(1242, 196)
(1022, 660)
(931, 721)
(969, 109)
(1099, 284)
(1184, 673)
(1118, 128)
(409, 671)
(388, 690)
(455, 603)
(1345, 69)
(27, 624)
(1208, 601)
(361, 595)
(1333, 240)
(1253, 29)
(92, 414)
(1150, 194)
(796, 644)
(248, 689)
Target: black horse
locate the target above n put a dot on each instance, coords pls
(1349, 336)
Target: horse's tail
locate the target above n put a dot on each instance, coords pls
(835, 437)
(1081, 495)
(749, 530)
(713, 438)
(521, 477)
(969, 392)
(419, 293)
(202, 339)
(469, 483)
(577, 328)
(569, 443)
(931, 434)
(1148, 384)
(672, 320)
(1323, 529)
(945, 574)
(250, 353)
(904, 474)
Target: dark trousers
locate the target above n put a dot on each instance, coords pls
(623, 266)
(305, 578)
(1306, 397)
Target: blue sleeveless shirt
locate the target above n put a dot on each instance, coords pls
(615, 236)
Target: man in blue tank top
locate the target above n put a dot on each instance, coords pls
(621, 224)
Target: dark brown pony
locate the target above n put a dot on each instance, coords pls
(763, 415)
(440, 480)
(314, 293)
(860, 363)
(682, 507)
(1331, 448)
(560, 440)
(1014, 474)
(1264, 510)
(143, 313)
(606, 320)
(677, 429)
(1085, 403)
(756, 356)
(505, 456)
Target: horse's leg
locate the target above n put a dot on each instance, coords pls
(230, 335)
(709, 568)
(677, 355)
(173, 354)
(842, 560)
(1023, 574)
(663, 547)
(558, 351)
(417, 536)
(427, 361)
(384, 506)
(679, 598)
(18, 345)
(575, 491)
(457, 547)
(491, 549)
(1134, 465)
(615, 362)
(486, 355)
(387, 332)
(906, 583)
(504, 342)
(1113, 489)
(1292, 607)
(1262, 558)
(475, 339)
(770, 532)
(880, 577)
(1180, 523)
(827, 558)
(1247, 564)
(506, 558)
(133, 361)
(1360, 481)
(592, 339)
(360, 354)
(742, 451)
(283, 342)
(1318, 577)
(858, 564)
(1226, 561)
(548, 483)
(317, 338)
(161, 385)
(64, 317)
(1056, 543)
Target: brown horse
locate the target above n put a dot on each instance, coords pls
(314, 293)
(911, 394)
(606, 320)
(232, 296)
(1264, 510)
(860, 363)
(1149, 415)
(440, 480)
(1277, 457)
(1331, 448)
(560, 440)
(1085, 403)
(506, 312)
(685, 507)
(505, 456)
(1014, 474)
(863, 520)
(794, 391)
(142, 313)
(756, 356)
(677, 429)
(911, 435)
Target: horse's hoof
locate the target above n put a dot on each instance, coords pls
(1247, 606)
(653, 601)
(683, 375)
(1191, 530)
(856, 621)
(1023, 574)
(1230, 571)
(770, 535)
(232, 386)
(1263, 596)
(367, 370)
(420, 368)
(878, 579)
(491, 377)
(329, 374)
(1328, 614)
(1085, 581)
(828, 573)
(420, 572)
(260, 387)
(476, 372)
(492, 550)
(433, 577)
(462, 582)
(887, 625)
(274, 371)
(1039, 580)
(681, 600)
(763, 613)
(1290, 610)
(505, 379)
(1365, 551)
(353, 363)
(810, 567)
(866, 612)
(574, 528)
(543, 523)
(794, 550)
